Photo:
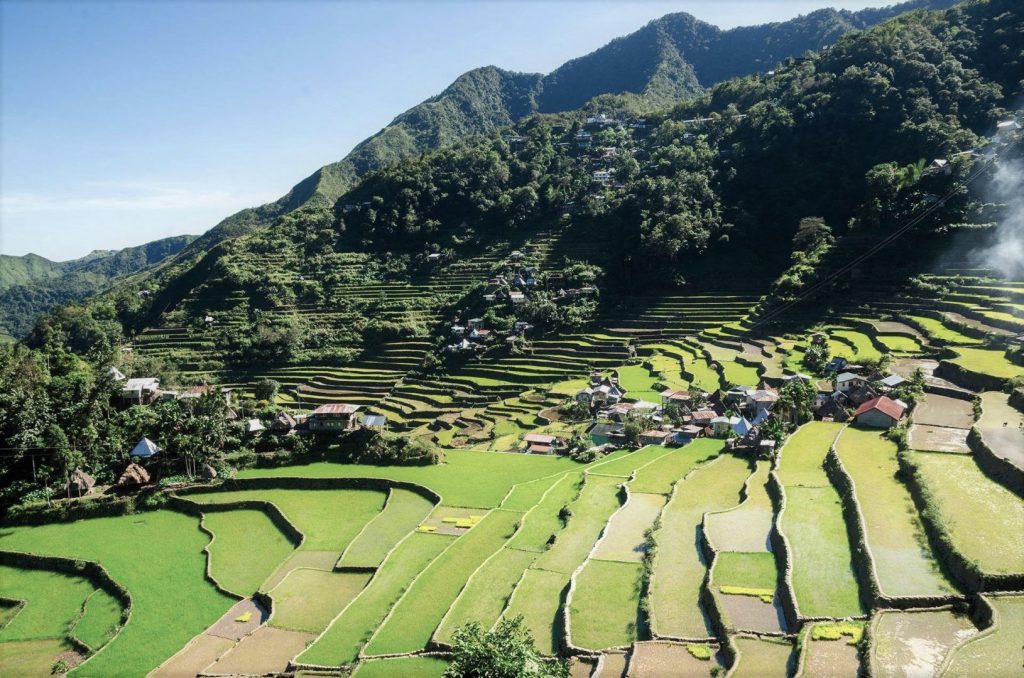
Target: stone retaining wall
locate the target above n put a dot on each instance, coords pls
(997, 468)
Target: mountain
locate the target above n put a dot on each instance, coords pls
(31, 284)
(670, 59)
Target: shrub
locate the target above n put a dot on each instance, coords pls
(701, 652)
(507, 651)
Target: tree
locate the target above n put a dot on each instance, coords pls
(796, 401)
(506, 652)
(266, 389)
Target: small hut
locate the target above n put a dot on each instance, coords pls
(283, 423)
(79, 484)
(208, 472)
(145, 448)
(133, 476)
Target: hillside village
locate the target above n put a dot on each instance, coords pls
(732, 387)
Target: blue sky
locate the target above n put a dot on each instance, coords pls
(123, 122)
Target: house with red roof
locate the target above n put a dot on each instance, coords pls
(881, 412)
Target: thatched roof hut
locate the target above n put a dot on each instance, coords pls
(79, 483)
(208, 472)
(132, 476)
(283, 422)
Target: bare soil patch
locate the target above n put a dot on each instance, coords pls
(202, 651)
(659, 659)
(30, 657)
(268, 650)
(831, 659)
(750, 613)
(938, 410)
(228, 626)
(892, 327)
(914, 644)
(611, 666)
(1007, 443)
(580, 667)
(938, 439)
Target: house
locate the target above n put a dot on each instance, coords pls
(144, 449)
(434, 256)
(819, 339)
(722, 425)
(676, 397)
(601, 176)
(940, 166)
(208, 319)
(655, 436)
(539, 443)
(79, 484)
(253, 426)
(836, 364)
(848, 381)
(375, 422)
(861, 394)
(806, 378)
(892, 381)
(832, 406)
(458, 330)
(517, 297)
(283, 423)
(703, 418)
(133, 476)
(1004, 127)
(763, 398)
(603, 393)
(140, 390)
(604, 434)
(480, 335)
(475, 323)
(688, 433)
(741, 426)
(522, 326)
(334, 417)
(881, 412)
(115, 374)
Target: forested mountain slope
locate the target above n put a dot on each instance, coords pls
(32, 284)
(670, 59)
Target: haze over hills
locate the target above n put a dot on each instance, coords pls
(31, 284)
(668, 60)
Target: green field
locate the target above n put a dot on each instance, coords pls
(823, 577)
(408, 667)
(762, 658)
(544, 520)
(329, 519)
(936, 330)
(598, 500)
(899, 344)
(420, 610)
(748, 570)
(903, 559)
(604, 607)
(962, 493)
(247, 547)
(992, 362)
(341, 643)
(402, 513)
(159, 557)
(678, 570)
(467, 478)
(659, 476)
(537, 599)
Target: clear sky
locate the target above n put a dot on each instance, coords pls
(123, 122)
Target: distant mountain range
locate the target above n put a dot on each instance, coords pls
(31, 284)
(669, 60)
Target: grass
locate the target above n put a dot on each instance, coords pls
(746, 570)
(408, 667)
(402, 513)
(804, 452)
(605, 604)
(659, 476)
(307, 600)
(341, 643)
(863, 348)
(544, 520)
(678, 569)
(625, 464)
(418, 613)
(854, 631)
(992, 362)
(53, 602)
(329, 519)
(247, 547)
(747, 526)
(525, 496)
(159, 557)
(997, 651)
(897, 343)
(823, 577)
(487, 593)
(598, 500)
(904, 563)
(638, 382)
(936, 330)
(537, 599)
(467, 478)
(983, 518)
(98, 624)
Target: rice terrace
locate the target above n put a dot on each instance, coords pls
(702, 355)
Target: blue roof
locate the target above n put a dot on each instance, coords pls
(742, 427)
(374, 420)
